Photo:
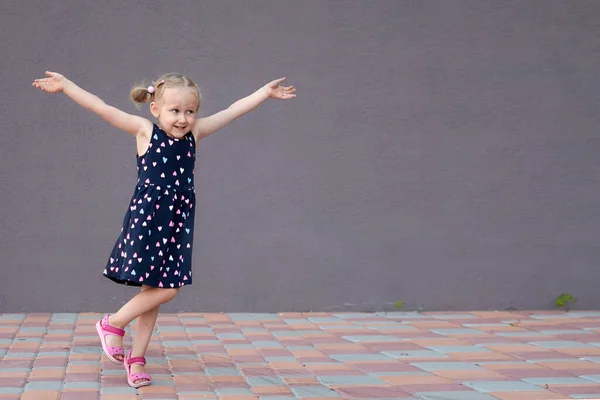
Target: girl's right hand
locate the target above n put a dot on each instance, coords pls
(53, 84)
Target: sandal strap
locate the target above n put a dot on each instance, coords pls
(112, 329)
(139, 375)
(136, 360)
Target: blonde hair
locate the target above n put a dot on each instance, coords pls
(139, 93)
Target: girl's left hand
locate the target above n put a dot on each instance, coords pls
(280, 92)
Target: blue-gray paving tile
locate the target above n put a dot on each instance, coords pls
(64, 317)
(10, 390)
(556, 381)
(170, 328)
(15, 369)
(353, 315)
(324, 319)
(118, 390)
(349, 380)
(198, 330)
(11, 317)
(233, 391)
(446, 366)
(459, 349)
(61, 331)
(454, 316)
(548, 316)
(483, 324)
(82, 385)
(568, 332)
(206, 342)
(398, 373)
(400, 328)
(521, 334)
(113, 372)
(43, 385)
(284, 333)
(292, 321)
(402, 314)
(371, 338)
(311, 332)
(238, 346)
(583, 314)
(456, 395)
(502, 386)
(338, 327)
(361, 357)
(7, 341)
(313, 391)
(253, 317)
(561, 344)
(222, 371)
(166, 381)
(267, 344)
(230, 335)
(280, 358)
(264, 381)
(33, 329)
(79, 349)
(593, 378)
(586, 396)
(414, 354)
(457, 331)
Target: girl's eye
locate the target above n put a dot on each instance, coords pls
(190, 112)
(175, 111)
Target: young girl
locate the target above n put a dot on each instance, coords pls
(154, 248)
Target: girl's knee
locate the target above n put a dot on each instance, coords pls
(169, 294)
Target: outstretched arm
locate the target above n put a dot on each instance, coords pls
(56, 83)
(205, 126)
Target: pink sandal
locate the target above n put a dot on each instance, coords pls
(104, 329)
(134, 377)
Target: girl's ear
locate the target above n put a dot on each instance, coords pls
(154, 109)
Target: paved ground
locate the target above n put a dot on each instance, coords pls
(452, 356)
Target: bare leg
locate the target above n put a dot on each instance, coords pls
(143, 334)
(147, 300)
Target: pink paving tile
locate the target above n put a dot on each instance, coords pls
(224, 385)
(538, 355)
(77, 377)
(372, 391)
(289, 371)
(378, 347)
(447, 387)
(336, 372)
(12, 382)
(249, 358)
(257, 371)
(49, 362)
(275, 352)
(356, 350)
(575, 389)
(385, 367)
(535, 373)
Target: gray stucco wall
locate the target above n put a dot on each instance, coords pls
(441, 153)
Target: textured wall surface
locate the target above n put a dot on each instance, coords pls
(440, 153)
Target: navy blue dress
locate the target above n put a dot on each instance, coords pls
(155, 244)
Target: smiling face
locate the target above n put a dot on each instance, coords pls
(176, 110)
